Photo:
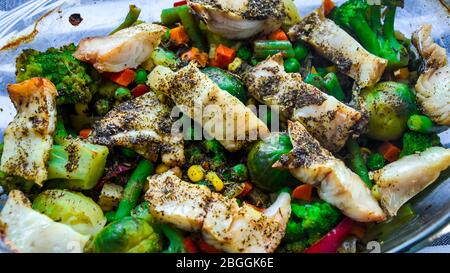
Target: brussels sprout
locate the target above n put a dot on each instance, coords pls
(71, 208)
(261, 158)
(389, 105)
(227, 81)
(127, 235)
(142, 211)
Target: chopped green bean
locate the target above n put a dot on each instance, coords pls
(333, 86)
(357, 163)
(130, 19)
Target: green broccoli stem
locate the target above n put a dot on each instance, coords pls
(133, 189)
(365, 35)
(130, 19)
(357, 163)
(176, 240)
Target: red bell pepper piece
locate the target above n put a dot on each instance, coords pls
(205, 247)
(139, 90)
(331, 241)
(189, 245)
(179, 3)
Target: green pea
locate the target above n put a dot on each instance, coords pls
(301, 51)
(102, 106)
(244, 53)
(291, 65)
(122, 94)
(141, 76)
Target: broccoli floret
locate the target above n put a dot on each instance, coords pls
(308, 224)
(414, 142)
(364, 22)
(74, 80)
(375, 161)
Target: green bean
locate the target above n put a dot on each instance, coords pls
(264, 49)
(170, 16)
(130, 19)
(191, 27)
(133, 189)
(316, 80)
(333, 86)
(357, 163)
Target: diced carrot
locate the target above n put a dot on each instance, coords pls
(189, 245)
(248, 187)
(224, 56)
(179, 3)
(205, 247)
(303, 192)
(178, 36)
(278, 35)
(358, 230)
(328, 6)
(139, 90)
(197, 56)
(214, 62)
(85, 133)
(123, 78)
(389, 151)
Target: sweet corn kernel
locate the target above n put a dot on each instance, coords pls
(215, 180)
(235, 64)
(161, 168)
(375, 193)
(196, 173)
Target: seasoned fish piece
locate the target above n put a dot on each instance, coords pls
(401, 180)
(335, 182)
(29, 137)
(127, 48)
(339, 47)
(240, 19)
(222, 222)
(433, 86)
(143, 124)
(327, 119)
(221, 115)
(32, 232)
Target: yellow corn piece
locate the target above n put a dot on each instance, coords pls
(331, 68)
(375, 193)
(215, 180)
(161, 168)
(196, 173)
(235, 64)
(313, 70)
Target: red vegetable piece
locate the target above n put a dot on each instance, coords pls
(139, 90)
(333, 239)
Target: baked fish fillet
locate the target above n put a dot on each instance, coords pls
(29, 137)
(327, 119)
(29, 231)
(339, 47)
(223, 223)
(221, 115)
(143, 124)
(336, 183)
(401, 180)
(127, 48)
(240, 19)
(433, 86)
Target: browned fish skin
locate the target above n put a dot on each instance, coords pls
(143, 124)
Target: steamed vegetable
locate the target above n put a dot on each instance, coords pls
(308, 224)
(364, 21)
(414, 142)
(74, 80)
(420, 123)
(375, 161)
(130, 19)
(71, 208)
(176, 240)
(331, 242)
(261, 158)
(127, 235)
(389, 105)
(227, 81)
(357, 163)
(264, 49)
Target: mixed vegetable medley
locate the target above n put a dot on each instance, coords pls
(92, 162)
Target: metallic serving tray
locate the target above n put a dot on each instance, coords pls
(99, 17)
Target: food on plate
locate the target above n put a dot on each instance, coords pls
(155, 138)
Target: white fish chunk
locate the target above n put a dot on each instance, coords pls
(433, 86)
(338, 46)
(221, 115)
(145, 125)
(32, 232)
(240, 19)
(330, 121)
(223, 223)
(29, 137)
(127, 48)
(401, 180)
(336, 183)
